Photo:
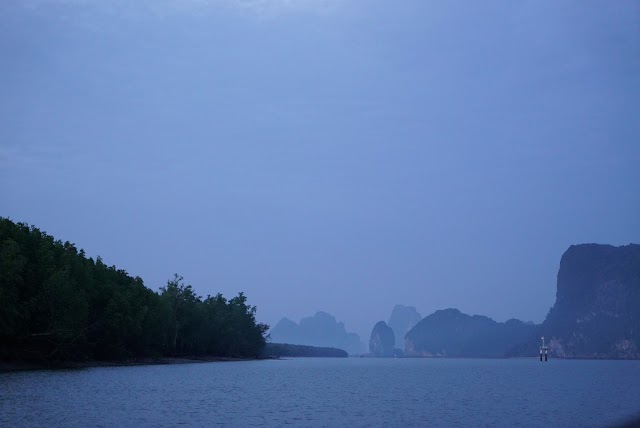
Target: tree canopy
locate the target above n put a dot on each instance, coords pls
(56, 304)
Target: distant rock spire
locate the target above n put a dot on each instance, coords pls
(403, 318)
(381, 343)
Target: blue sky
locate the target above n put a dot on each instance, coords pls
(328, 155)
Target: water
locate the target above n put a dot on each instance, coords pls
(327, 392)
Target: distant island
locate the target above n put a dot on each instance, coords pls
(403, 318)
(322, 330)
(450, 333)
(57, 305)
(596, 315)
(382, 341)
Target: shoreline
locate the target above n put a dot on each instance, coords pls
(20, 366)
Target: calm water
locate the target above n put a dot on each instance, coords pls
(328, 392)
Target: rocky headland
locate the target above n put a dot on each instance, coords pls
(597, 308)
(596, 315)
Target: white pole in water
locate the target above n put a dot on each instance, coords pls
(544, 349)
(541, 352)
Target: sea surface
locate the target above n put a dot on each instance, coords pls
(350, 392)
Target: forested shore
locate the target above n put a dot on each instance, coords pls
(58, 305)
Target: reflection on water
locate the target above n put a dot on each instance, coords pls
(328, 392)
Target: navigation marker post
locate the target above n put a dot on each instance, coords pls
(544, 349)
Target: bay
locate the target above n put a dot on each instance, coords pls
(328, 392)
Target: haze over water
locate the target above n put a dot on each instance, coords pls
(330, 155)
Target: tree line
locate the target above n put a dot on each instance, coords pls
(56, 304)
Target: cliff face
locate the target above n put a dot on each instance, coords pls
(403, 318)
(450, 333)
(596, 315)
(597, 308)
(382, 341)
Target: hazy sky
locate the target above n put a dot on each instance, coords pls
(336, 155)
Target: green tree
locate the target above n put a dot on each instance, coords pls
(57, 304)
(12, 265)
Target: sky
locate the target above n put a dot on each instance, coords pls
(327, 155)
